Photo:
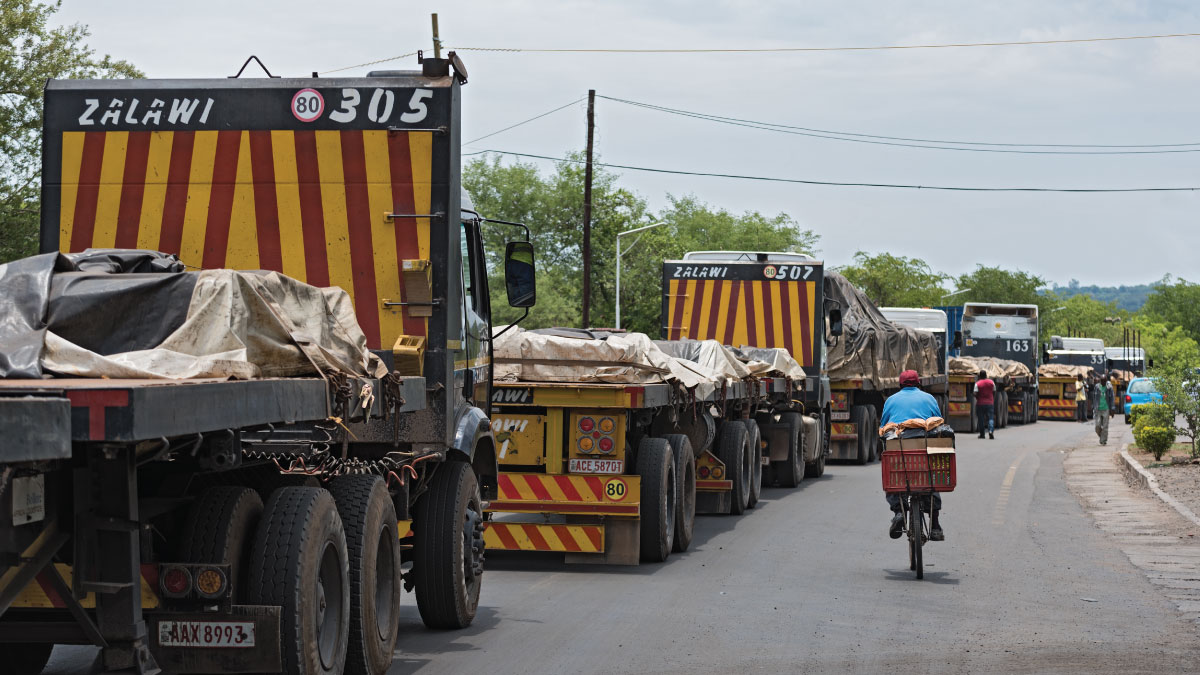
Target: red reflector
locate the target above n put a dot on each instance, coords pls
(606, 444)
(176, 581)
(587, 424)
(703, 472)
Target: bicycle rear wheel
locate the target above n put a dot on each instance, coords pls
(916, 537)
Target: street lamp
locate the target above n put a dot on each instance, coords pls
(619, 252)
(951, 295)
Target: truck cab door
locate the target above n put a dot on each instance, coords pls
(474, 359)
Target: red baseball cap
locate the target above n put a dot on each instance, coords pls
(909, 378)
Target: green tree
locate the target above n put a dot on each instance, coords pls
(1083, 316)
(1176, 304)
(1169, 347)
(31, 52)
(1181, 392)
(896, 281)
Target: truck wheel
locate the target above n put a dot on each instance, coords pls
(860, 417)
(299, 563)
(27, 659)
(369, 517)
(792, 470)
(448, 549)
(816, 468)
(656, 466)
(1001, 410)
(220, 530)
(685, 481)
(733, 449)
(754, 435)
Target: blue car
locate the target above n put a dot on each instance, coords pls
(1140, 390)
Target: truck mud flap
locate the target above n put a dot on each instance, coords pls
(262, 657)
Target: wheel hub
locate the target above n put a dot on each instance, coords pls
(473, 543)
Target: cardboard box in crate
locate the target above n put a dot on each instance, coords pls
(918, 465)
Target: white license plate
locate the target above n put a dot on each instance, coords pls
(766, 459)
(835, 415)
(597, 466)
(206, 633)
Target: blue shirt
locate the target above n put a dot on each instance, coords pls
(909, 403)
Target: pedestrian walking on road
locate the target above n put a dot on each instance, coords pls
(1081, 399)
(985, 404)
(1104, 395)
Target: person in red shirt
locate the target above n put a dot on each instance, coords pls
(985, 404)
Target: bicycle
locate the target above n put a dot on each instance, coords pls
(916, 474)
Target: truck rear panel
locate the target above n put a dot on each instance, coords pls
(746, 303)
(334, 185)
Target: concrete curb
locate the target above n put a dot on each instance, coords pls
(1134, 470)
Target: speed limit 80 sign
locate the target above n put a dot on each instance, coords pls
(307, 105)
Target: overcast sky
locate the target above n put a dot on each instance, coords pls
(1132, 92)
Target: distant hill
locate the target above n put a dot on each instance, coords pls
(1127, 297)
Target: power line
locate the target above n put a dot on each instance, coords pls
(531, 119)
(794, 131)
(892, 138)
(761, 50)
(768, 50)
(836, 183)
(370, 63)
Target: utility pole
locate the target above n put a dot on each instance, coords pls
(587, 213)
(437, 41)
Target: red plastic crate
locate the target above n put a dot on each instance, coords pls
(916, 466)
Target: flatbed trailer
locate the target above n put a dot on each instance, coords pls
(1056, 398)
(1010, 402)
(856, 406)
(615, 473)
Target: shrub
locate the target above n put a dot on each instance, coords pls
(1137, 409)
(1152, 415)
(1156, 440)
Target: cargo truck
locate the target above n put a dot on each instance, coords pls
(932, 321)
(615, 472)
(1003, 331)
(132, 514)
(763, 300)
(1076, 351)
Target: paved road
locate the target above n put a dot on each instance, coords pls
(810, 582)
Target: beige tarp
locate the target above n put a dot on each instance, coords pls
(871, 347)
(240, 325)
(770, 361)
(631, 358)
(994, 367)
(1063, 370)
(710, 354)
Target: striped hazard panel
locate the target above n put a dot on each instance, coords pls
(311, 204)
(957, 408)
(843, 431)
(1056, 408)
(544, 537)
(742, 312)
(541, 493)
(41, 594)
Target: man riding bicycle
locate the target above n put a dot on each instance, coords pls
(911, 403)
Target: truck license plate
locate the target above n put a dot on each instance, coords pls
(597, 466)
(835, 415)
(206, 633)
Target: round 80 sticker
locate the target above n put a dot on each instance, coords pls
(307, 105)
(615, 490)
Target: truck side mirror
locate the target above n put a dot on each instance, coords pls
(520, 279)
(957, 340)
(835, 322)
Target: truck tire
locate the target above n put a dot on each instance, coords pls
(27, 659)
(733, 449)
(299, 563)
(448, 548)
(369, 518)
(656, 466)
(1002, 410)
(685, 481)
(220, 530)
(860, 417)
(816, 468)
(791, 471)
(755, 439)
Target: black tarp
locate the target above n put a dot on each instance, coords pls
(99, 299)
(871, 347)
